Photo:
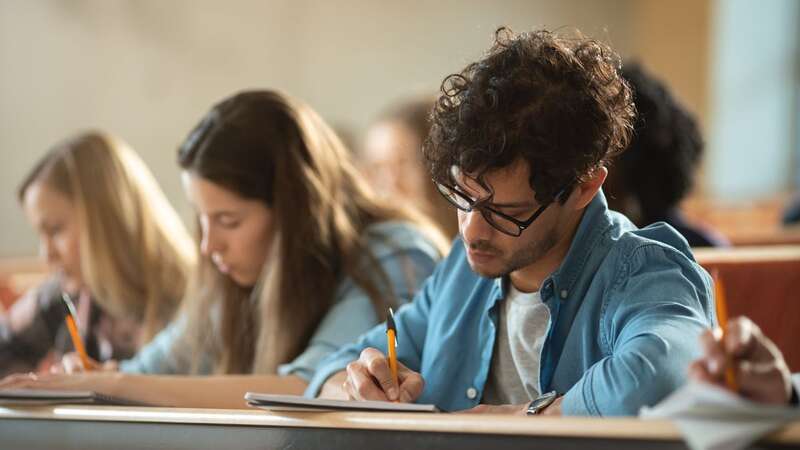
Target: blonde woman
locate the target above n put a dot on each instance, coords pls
(299, 258)
(112, 242)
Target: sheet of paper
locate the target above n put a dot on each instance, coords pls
(713, 418)
(298, 403)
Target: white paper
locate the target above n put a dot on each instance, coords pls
(712, 418)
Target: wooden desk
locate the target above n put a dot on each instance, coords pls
(89, 427)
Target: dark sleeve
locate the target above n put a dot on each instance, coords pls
(792, 213)
(25, 344)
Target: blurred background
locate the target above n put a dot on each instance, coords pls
(147, 70)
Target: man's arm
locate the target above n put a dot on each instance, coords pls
(657, 308)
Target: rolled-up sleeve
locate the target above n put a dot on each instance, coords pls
(651, 325)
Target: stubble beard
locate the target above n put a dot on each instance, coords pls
(525, 256)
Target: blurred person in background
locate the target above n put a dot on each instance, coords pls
(648, 181)
(393, 162)
(113, 244)
(298, 257)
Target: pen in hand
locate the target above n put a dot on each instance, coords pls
(722, 318)
(71, 318)
(391, 344)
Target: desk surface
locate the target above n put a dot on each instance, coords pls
(740, 255)
(125, 427)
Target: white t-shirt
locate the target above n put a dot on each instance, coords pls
(522, 328)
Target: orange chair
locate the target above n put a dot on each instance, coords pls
(762, 283)
(17, 275)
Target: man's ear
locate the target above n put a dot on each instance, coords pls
(584, 192)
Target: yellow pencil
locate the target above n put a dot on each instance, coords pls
(72, 327)
(391, 337)
(722, 318)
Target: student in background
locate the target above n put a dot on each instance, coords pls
(113, 244)
(548, 303)
(761, 372)
(394, 164)
(648, 181)
(299, 257)
(791, 215)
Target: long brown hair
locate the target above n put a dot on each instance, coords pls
(135, 253)
(267, 146)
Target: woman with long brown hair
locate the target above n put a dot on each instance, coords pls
(113, 244)
(299, 257)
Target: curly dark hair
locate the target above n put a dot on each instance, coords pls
(658, 167)
(557, 102)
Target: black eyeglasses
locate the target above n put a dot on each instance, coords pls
(499, 221)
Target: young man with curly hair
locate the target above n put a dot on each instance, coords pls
(548, 303)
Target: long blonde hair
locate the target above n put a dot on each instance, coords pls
(135, 253)
(267, 146)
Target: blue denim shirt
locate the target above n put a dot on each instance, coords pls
(627, 305)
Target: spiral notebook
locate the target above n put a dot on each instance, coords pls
(56, 397)
(298, 403)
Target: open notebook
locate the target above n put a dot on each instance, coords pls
(298, 403)
(55, 397)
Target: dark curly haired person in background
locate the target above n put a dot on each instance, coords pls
(548, 303)
(648, 181)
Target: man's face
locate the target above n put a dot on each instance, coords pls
(491, 253)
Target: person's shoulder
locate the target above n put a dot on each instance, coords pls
(389, 237)
(658, 240)
(658, 252)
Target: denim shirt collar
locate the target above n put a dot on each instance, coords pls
(594, 224)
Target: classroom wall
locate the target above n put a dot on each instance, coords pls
(672, 40)
(148, 70)
(754, 80)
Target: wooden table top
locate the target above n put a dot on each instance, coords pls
(462, 424)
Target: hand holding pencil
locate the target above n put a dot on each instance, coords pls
(375, 376)
(71, 320)
(760, 370)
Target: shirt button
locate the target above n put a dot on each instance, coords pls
(472, 393)
(564, 293)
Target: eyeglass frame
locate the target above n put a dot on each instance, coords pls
(475, 205)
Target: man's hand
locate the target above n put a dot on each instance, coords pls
(369, 378)
(761, 372)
